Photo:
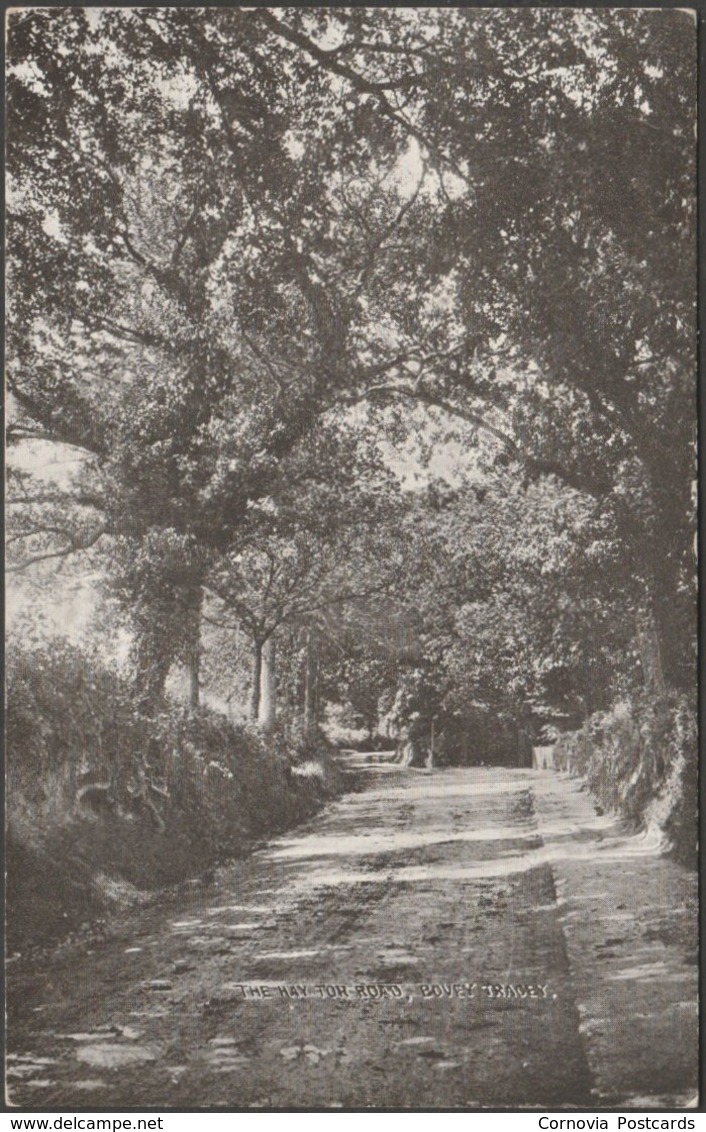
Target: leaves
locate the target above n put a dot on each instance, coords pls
(228, 228)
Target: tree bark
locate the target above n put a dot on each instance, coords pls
(152, 668)
(268, 687)
(311, 683)
(193, 651)
(256, 677)
(650, 654)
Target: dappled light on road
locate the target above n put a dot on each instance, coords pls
(458, 928)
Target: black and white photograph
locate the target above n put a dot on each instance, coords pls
(351, 559)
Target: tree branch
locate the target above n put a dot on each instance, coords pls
(118, 330)
(327, 58)
(32, 561)
(88, 439)
(180, 243)
(426, 397)
(298, 39)
(262, 357)
(81, 499)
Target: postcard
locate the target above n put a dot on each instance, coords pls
(351, 559)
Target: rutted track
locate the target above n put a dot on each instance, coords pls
(418, 880)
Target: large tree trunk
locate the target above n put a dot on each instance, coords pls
(151, 677)
(667, 560)
(311, 683)
(671, 630)
(152, 668)
(193, 650)
(268, 687)
(650, 654)
(256, 677)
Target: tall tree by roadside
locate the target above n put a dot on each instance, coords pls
(324, 537)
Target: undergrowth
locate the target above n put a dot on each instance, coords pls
(105, 803)
(640, 760)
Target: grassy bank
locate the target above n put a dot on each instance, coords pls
(640, 759)
(106, 805)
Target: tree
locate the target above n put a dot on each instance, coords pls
(527, 612)
(320, 540)
(225, 224)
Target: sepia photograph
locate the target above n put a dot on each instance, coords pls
(351, 559)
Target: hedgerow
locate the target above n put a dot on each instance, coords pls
(99, 792)
(640, 760)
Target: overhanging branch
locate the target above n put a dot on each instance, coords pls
(426, 397)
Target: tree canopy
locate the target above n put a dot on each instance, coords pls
(228, 228)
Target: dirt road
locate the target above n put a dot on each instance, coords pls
(406, 948)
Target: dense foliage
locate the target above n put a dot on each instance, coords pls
(256, 255)
(105, 802)
(639, 758)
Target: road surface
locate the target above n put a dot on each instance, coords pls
(471, 938)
